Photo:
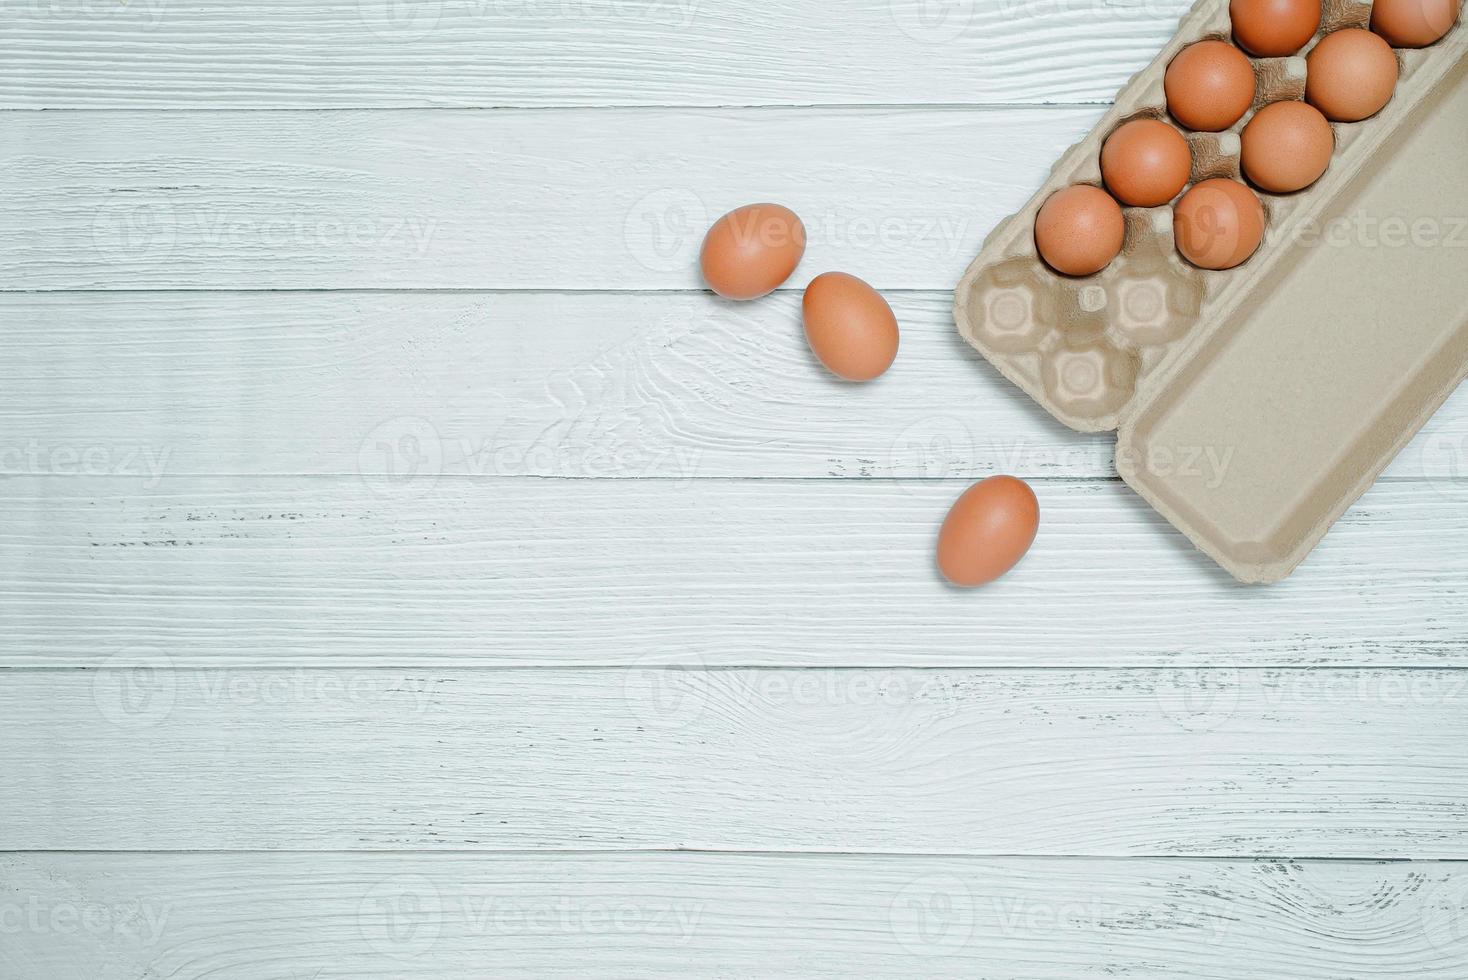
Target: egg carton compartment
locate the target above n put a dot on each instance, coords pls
(1122, 347)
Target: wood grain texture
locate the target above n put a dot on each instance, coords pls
(275, 917)
(416, 571)
(1361, 763)
(520, 384)
(523, 384)
(296, 54)
(324, 603)
(517, 199)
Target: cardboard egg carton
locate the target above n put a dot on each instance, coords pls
(1254, 405)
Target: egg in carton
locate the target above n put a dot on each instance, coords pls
(1253, 405)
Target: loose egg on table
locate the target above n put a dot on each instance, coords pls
(849, 326)
(751, 250)
(1286, 147)
(1209, 86)
(987, 531)
(1350, 75)
(1079, 230)
(1413, 23)
(1274, 28)
(1145, 163)
(1218, 223)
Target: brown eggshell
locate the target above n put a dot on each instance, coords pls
(1274, 28)
(849, 326)
(751, 250)
(987, 531)
(1286, 147)
(1145, 163)
(1079, 229)
(1413, 23)
(1218, 223)
(1350, 75)
(1209, 86)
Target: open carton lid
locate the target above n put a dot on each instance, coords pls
(1292, 407)
(1254, 405)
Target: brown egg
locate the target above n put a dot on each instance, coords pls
(849, 326)
(1350, 75)
(1145, 163)
(751, 250)
(1287, 146)
(1209, 86)
(1079, 229)
(1274, 28)
(1218, 223)
(1413, 23)
(987, 531)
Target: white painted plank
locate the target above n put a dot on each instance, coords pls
(522, 384)
(274, 917)
(488, 53)
(1350, 763)
(295, 571)
(587, 384)
(577, 199)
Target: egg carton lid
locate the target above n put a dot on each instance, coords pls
(1309, 368)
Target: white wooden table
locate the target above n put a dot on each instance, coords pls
(407, 571)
